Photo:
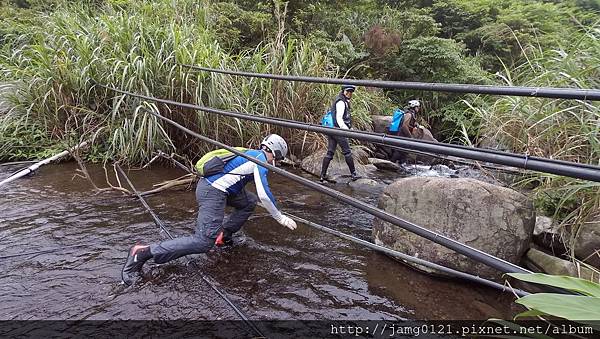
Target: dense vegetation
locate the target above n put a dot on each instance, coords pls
(52, 51)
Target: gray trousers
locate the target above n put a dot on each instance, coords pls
(211, 212)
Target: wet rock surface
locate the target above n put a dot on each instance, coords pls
(491, 218)
(338, 169)
(540, 261)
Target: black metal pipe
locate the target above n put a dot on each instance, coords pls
(542, 92)
(468, 251)
(410, 258)
(161, 224)
(155, 217)
(563, 168)
(177, 163)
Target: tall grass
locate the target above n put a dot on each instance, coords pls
(135, 46)
(557, 129)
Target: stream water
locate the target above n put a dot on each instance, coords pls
(273, 273)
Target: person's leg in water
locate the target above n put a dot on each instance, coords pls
(244, 204)
(211, 210)
(347, 152)
(331, 146)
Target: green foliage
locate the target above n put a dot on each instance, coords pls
(557, 129)
(453, 121)
(53, 48)
(237, 28)
(570, 307)
(431, 59)
(457, 16)
(556, 203)
(578, 285)
(28, 142)
(582, 309)
(539, 24)
(493, 29)
(342, 51)
(593, 5)
(136, 50)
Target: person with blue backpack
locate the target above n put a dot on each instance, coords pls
(214, 191)
(404, 124)
(339, 116)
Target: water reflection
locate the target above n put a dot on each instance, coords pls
(273, 273)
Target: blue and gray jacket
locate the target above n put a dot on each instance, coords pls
(238, 172)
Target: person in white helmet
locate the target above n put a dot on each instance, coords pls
(408, 128)
(213, 193)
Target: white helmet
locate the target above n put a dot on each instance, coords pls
(277, 145)
(414, 103)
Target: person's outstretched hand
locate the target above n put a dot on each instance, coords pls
(287, 222)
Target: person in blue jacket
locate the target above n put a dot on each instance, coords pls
(408, 128)
(213, 193)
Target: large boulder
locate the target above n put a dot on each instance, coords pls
(381, 123)
(423, 134)
(587, 241)
(491, 218)
(337, 167)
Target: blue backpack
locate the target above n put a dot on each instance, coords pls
(396, 120)
(327, 119)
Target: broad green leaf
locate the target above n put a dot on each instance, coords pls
(574, 284)
(530, 313)
(570, 307)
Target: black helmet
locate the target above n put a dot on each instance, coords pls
(350, 88)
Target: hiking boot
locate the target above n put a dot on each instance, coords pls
(354, 176)
(222, 240)
(136, 257)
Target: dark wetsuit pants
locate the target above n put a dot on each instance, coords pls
(332, 143)
(211, 212)
(398, 155)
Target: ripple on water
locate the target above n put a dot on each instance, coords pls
(273, 273)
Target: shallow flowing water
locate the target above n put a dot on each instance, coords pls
(273, 273)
